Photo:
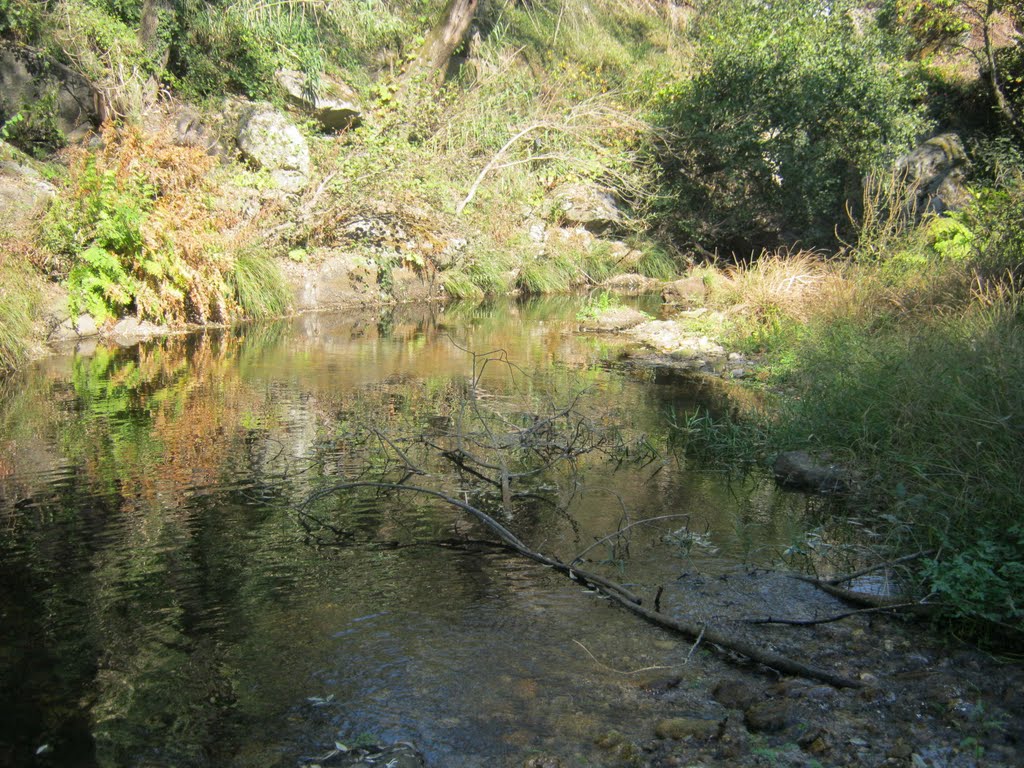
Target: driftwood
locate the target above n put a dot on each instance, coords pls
(610, 589)
(872, 602)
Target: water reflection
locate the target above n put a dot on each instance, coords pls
(162, 607)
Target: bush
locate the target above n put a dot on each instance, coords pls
(791, 104)
(134, 232)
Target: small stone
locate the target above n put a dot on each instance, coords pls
(901, 751)
(86, 326)
(735, 694)
(679, 728)
(769, 716)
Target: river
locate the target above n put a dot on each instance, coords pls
(165, 603)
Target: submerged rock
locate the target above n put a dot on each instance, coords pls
(770, 716)
(614, 319)
(679, 728)
(796, 469)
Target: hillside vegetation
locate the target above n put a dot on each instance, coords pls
(754, 144)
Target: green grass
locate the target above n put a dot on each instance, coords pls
(258, 285)
(17, 302)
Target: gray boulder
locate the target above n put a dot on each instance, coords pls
(938, 169)
(23, 193)
(580, 205)
(268, 140)
(335, 105)
(30, 79)
(797, 470)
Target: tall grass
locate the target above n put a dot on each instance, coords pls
(258, 286)
(17, 301)
(916, 379)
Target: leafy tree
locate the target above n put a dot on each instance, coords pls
(790, 104)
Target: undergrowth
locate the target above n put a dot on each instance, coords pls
(907, 365)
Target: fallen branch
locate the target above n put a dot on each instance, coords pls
(866, 598)
(610, 589)
(830, 619)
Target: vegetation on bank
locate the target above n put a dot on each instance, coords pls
(720, 130)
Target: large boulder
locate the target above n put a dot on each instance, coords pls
(269, 141)
(938, 170)
(23, 194)
(43, 90)
(335, 105)
(581, 205)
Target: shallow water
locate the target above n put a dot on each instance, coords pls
(163, 606)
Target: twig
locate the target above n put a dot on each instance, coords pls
(620, 532)
(878, 566)
(695, 644)
(618, 671)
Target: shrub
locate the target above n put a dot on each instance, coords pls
(134, 232)
(790, 105)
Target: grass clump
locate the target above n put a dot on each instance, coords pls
(17, 302)
(258, 286)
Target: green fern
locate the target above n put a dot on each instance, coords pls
(99, 285)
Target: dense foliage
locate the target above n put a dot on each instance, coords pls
(789, 106)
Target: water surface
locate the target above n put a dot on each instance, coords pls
(163, 604)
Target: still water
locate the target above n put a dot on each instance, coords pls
(164, 601)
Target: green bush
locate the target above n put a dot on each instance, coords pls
(791, 104)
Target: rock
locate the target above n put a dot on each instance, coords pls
(687, 292)
(331, 278)
(581, 205)
(679, 728)
(669, 336)
(31, 80)
(409, 284)
(769, 716)
(129, 330)
(614, 319)
(335, 106)
(23, 194)
(796, 469)
(938, 169)
(735, 694)
(631, 283)
(268, 140)
(189, 130)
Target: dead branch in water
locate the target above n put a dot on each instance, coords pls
(612, 590)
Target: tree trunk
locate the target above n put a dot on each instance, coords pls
(444, 38)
